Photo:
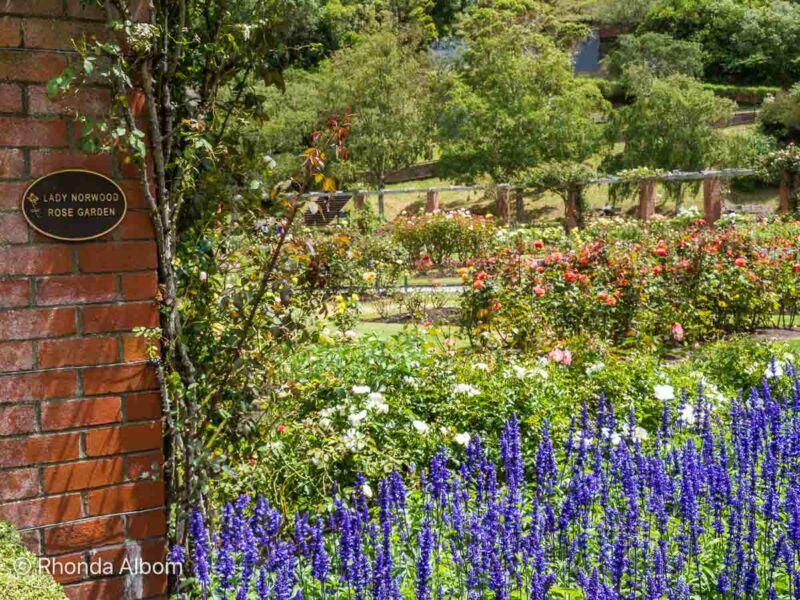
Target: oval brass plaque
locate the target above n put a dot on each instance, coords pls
(74, 205)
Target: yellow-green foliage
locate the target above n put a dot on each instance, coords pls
(16, 585)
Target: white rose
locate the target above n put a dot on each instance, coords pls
(356, 418)
(421, 426)
(462, 439)
(360, 390)
(664, 392)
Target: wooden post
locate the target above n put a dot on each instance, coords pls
(432, 201)
(647, 199)
(712, 199)
(503, 205)
(519, 205)
(359, 200)
(785, 193)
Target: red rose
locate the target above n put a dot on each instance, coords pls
(538, 244)
(539, 291)
(740, 262)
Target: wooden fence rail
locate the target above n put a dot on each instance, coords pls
(712, 193)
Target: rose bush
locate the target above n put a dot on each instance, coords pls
(672, 283)
(440, 236)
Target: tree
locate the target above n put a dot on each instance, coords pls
(382, 80)
(385, 83)
(567, 180)
(780, 116)
(669, 126)
(658, 54)
(513, 101)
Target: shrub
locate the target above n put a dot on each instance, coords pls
(631, 290)
(694, 507)
(16, 584)
(444, 235)
(370, 405)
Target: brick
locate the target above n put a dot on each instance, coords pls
(27, 131)
(119, 440)
(14, 293)
(87, 101)
(126, 498)
(85, 535)
(19, 484)
(151, 552)
(12, 163)
(16, 356)
(119, 317)
(10, 98)
(17, 419)
(145, 525)
(77, 352)
(65, 569)
(29, 260)
(38, 67)
(10, 32)
(97, 589)
(13, 229)
(11, 194)
(76, 289)
(38, 386)
(143, 407)
(50, 34)
(110, 257)
(137, 226)
(42, 511)
(24, 324)
(43, 162)
(134, 194)
(134, 348)
(48, 8)
(146, 466)
(37, 449)
(140, 286)
(83, 475)
(31, 539)
(81, 413)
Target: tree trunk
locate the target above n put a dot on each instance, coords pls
(381, 206)
(647, 199)
(519, 204)
(574, 216)
(503, 205)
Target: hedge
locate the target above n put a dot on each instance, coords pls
(614, 91)
(22, 586)
(743, 94)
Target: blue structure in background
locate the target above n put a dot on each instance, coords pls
(587, 54)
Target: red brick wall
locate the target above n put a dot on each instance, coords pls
(80, 414)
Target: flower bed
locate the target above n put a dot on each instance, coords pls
(705, 505)
(670, 283)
